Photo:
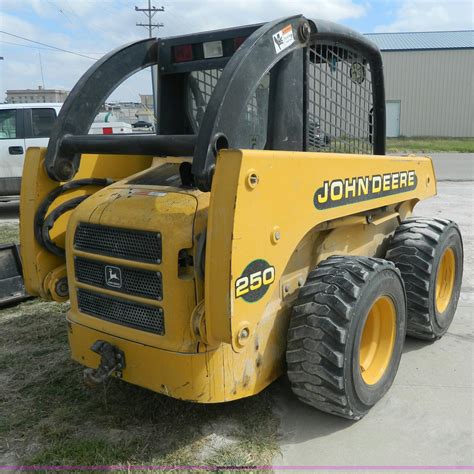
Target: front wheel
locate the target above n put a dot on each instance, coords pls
(429, 255)
(346, 335)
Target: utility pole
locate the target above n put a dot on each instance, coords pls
(150, 12)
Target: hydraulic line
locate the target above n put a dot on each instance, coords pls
(43, 224)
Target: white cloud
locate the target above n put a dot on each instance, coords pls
(430, 15)
(99, 26)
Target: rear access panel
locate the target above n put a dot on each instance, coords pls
(126, 251)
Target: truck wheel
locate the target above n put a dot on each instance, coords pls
(429, 254)
(346, 335)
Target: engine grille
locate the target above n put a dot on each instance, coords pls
(116, 310)
(126, 280)
(128, 244)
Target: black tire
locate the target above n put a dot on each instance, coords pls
(417, 248)
(326, 329)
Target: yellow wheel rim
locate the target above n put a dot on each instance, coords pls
(377, 340)
(445, 280)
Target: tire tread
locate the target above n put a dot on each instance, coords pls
(412, 250)
(319, 329)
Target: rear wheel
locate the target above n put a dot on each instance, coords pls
(346, 335)
(429, 254)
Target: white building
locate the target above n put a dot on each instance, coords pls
(32, 96)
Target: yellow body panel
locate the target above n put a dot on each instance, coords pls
(257, 194)
(289, 210)
(204, 377)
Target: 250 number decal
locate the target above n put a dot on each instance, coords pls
(254, 281)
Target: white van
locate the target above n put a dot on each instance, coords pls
(21, 126)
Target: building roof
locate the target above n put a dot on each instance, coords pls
(423, 40)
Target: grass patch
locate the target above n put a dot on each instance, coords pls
(9, 232)
(48, 417)
(430, 145)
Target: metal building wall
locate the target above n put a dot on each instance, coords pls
(435, 88)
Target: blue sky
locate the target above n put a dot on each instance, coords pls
(94, 27)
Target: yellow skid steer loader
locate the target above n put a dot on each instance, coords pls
(261, 230)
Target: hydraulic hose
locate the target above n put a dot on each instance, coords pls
(43, 224)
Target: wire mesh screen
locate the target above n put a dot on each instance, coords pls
(339, 101)
(252, 125)
(201, 86)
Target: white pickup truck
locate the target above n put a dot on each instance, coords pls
(25, 125)
(21, 126)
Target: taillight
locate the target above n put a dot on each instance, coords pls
(182, 53)
(238, 41)
(107, 130)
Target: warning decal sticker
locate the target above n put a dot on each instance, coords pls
(283, 38)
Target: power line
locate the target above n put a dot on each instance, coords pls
(45, 49)
(48, 45)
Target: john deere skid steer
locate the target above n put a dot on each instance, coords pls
(261, 230)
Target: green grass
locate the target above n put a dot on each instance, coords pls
(9, 232)
(48, 417)
(430, 145)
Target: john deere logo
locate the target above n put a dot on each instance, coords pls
(254, 281)
(340, 192)
(113, 276)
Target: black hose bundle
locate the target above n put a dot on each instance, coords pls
(43, 224)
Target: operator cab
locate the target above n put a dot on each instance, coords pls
(316, 87)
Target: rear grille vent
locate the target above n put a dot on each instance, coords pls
(119, 278)
(116, 310)
(116, 242)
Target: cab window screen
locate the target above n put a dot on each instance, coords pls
(339, 100)
(252, 125)
(42, 122)
(201, 84)
(7, 124)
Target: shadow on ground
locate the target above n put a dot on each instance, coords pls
(317, 423)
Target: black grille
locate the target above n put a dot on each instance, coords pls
(116, 310)
(121, 243)
(125, 279)
(339, 100)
